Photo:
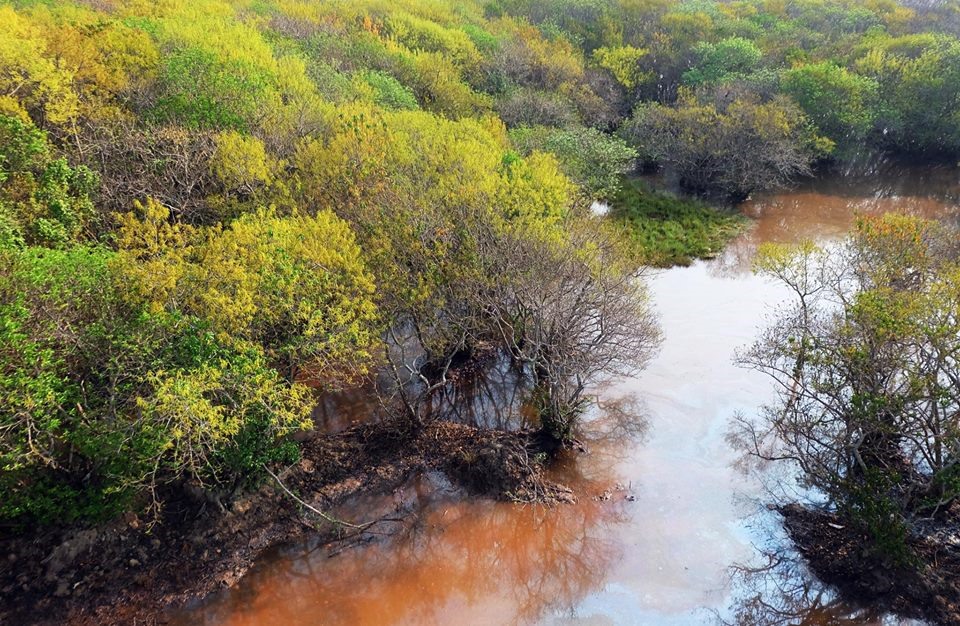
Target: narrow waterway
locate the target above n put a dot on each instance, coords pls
(663, 514)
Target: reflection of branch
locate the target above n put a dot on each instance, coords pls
(782, 592)
(325, 516)
(624, 416)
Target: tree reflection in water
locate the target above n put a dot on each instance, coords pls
(492, 397)
(783, 593)
(519, 563)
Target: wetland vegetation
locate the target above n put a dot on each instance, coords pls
(217, 214)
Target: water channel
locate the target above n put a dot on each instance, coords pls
(663, 514)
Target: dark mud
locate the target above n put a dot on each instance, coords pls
(840, 555)
(135, 571)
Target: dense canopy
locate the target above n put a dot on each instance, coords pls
(207, 206)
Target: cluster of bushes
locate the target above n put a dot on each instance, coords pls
(842, 77)
(170, 356)
(210, 210)
(205, 205)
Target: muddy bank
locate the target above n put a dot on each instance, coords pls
(132, 571)
(839, 554)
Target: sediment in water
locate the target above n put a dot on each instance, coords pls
(133, 571)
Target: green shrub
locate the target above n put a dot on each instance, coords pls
(870, 505)
(594, 160)
(667, 230)
(389, 92)
(101, 401)
(42, 199)
(839, 102)
(728, 59)
(200, 90)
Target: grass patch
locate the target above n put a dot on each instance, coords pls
(668, 230)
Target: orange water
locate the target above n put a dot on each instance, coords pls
(662, 514)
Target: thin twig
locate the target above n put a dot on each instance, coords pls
(325, 516)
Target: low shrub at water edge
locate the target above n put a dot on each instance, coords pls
(669, 230)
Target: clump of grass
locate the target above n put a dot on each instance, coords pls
(668, 230)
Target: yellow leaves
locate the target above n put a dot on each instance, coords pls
(149, 230)
(370, 26)
(561, 61)
(27, 73)
(416, 34)
(152, 254)
(796, 265)
(438, 83)
(895, 244)
(893, 226)
(297, 285)
(412, 184)
(105, 57)
(536, 191)
(823, 145)
(213, 26)
(11, 107)
(198, 411)
(65, 61)
(899, 19)
(494, 126)
(624, 64)
(241, 161)
(184, 399)
(889, 314)
(348, 167)
(771, 255)
(224, 279)
(403, 159)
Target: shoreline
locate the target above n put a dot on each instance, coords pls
(839, 555)
(132, 570)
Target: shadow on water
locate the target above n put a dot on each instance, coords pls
(452, 557)
(492, 397)
(488, 397)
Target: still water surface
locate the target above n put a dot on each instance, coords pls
(663, 515)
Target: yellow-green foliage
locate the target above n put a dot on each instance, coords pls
(535, 190)
(417, 33)
(422, 193)
(102, 398)
(279, 182)
(103, 57)
(267, 185)
(624, 64)
(868, 346)
(27, 74)
(200, 411)
(241, 162)
(42, 199)
(297, 285)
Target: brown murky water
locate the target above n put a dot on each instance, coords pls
(663, 515)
